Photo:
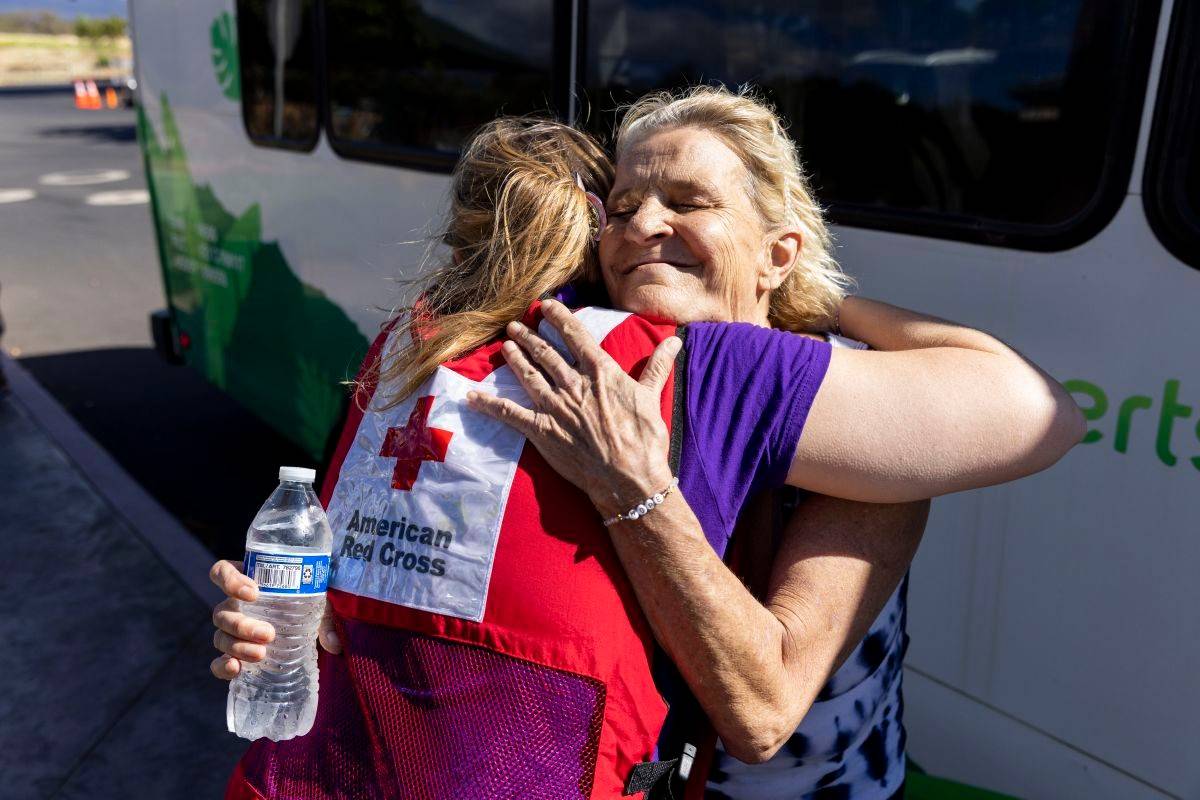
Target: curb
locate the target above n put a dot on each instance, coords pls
(154, 525)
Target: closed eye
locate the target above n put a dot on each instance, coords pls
(691, 204)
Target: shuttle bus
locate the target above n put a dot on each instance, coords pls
(1029, 167)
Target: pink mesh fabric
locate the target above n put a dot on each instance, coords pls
(335, 760)
(410, 716)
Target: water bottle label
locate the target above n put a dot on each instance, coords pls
(288, 573)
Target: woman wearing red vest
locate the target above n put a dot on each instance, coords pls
(528, 674)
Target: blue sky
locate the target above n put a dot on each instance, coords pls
(68, 8)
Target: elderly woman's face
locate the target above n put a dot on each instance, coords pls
(684, 240)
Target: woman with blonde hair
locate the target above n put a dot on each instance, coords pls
(420, 703)
(711, 218)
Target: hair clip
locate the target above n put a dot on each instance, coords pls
(597, 205)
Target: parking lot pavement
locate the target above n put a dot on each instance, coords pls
(79, 281)
(77, 273)
(108, 637)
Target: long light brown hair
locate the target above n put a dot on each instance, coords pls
(518, 228)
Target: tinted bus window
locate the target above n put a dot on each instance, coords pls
(1172, 180)
(967, 118)
(276, 48)
(410, 80)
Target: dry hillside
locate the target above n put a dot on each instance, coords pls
(36, 58)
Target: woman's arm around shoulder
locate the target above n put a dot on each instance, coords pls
(958, 410)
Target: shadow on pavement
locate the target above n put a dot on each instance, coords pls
(106, 685)
(99, 133)
(206, 459)
(41, 88)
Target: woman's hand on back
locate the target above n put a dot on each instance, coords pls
(595, 425)
(239, 636)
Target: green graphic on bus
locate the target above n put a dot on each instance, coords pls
(279, 346)
(225, 56)
(1170, 411)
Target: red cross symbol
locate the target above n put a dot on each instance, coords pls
(414, 443)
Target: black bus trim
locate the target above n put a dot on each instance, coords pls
(1129, 98)
(1117, 171)
(1168, 134)
(294, 145)
(424, 159)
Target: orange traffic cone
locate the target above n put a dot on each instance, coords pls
(110, 97)
(81, 98)
(93, 95)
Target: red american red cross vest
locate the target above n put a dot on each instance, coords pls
(493, 646)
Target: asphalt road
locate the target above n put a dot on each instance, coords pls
(73, 275)
(79, 276)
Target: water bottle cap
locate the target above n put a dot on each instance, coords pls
(300, 474)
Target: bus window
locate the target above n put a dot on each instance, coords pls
(276, 48)
(1003, 121)
(1171, 188)
(409, 81)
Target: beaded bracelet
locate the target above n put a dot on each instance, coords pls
(645, 507)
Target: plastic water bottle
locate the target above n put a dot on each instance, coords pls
(287, 554)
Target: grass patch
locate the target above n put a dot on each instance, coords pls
(28, 58)
(38, 40)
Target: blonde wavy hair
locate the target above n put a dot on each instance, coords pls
(518, 228)
(809, 297)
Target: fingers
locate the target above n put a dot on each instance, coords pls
(327, 633)
(662, 360)
(229, 578)
(504, 410)
(581, 344)
(228, 618)
(241, 638)
(238, 635)
(549, 359)
(536, 386)
(225, 668)
(238, 648)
